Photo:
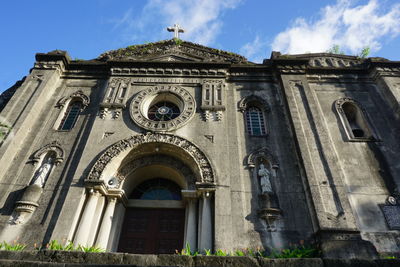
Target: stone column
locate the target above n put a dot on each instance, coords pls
(85, 224)
(205, 222)
(106, 223)
(191, 224)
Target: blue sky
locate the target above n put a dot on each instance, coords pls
(252, 28)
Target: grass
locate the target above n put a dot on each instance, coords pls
(12, 247)
(300, 251)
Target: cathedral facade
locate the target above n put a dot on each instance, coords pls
(151, 147)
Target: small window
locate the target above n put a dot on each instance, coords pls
(70, 116)
(255, 121)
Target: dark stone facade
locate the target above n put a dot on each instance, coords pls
(328, 139)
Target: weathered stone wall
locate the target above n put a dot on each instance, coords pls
(65, 258)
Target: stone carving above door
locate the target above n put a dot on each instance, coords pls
(206, 173)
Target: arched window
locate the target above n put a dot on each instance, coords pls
(354, 120)
(157, 189)
(71, 115)
(255, 121)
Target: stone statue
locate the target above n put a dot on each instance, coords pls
(42, 173)
(265, 181)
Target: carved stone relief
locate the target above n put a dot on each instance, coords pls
(204, 165)
(184, 99)
(78, 94)
(334, 62)
(52, 147)
(244, 103)
(213, 102)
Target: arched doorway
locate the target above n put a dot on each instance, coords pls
(112, 213)
(156, 225)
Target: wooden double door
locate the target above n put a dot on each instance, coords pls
(152, 231)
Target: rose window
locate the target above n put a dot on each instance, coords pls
(163, 111)
(162, 108)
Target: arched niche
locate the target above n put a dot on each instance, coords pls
(354, 120)
(54, 148)
(262, 154)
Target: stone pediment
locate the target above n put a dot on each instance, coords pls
(172, 50)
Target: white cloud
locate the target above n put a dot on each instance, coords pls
(351, 27)
(201, 19)
(255, 51)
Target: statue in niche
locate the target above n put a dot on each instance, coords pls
(265, 179)
(30, 199)
(42, 173)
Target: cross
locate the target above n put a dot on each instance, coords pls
(176, 29)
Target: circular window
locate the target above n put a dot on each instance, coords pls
(163, 111)
(162, 108)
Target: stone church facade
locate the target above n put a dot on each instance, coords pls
(148, 148)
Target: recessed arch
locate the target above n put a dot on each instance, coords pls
(354, 120)
(115, 156)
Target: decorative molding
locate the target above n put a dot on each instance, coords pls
(334, 62)
(261, 153)
(116, 93)
(187, 110)
(243, 104)
(167, 72)
(78, 94)
(52, 147)
(170, 50)
(202, 162)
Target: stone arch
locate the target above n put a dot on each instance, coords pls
(53, 147)
(245, 103)
(261, 153)
(127, 169)
(78, 95)
(116, 152)
(354, 120)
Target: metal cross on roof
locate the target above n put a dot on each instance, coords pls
(176, 29)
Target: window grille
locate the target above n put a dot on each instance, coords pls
(255, 121)
(70, 116)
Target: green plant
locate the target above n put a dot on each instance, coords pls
(54, 245)
(90, 249)
(239, 253)
(178, 41)
(12, 247)
(296, 252)
(335, 50)
(3, 132)
(364, 52)
(208, 252)
(187, 251)
(390, 257)
(221, 252)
